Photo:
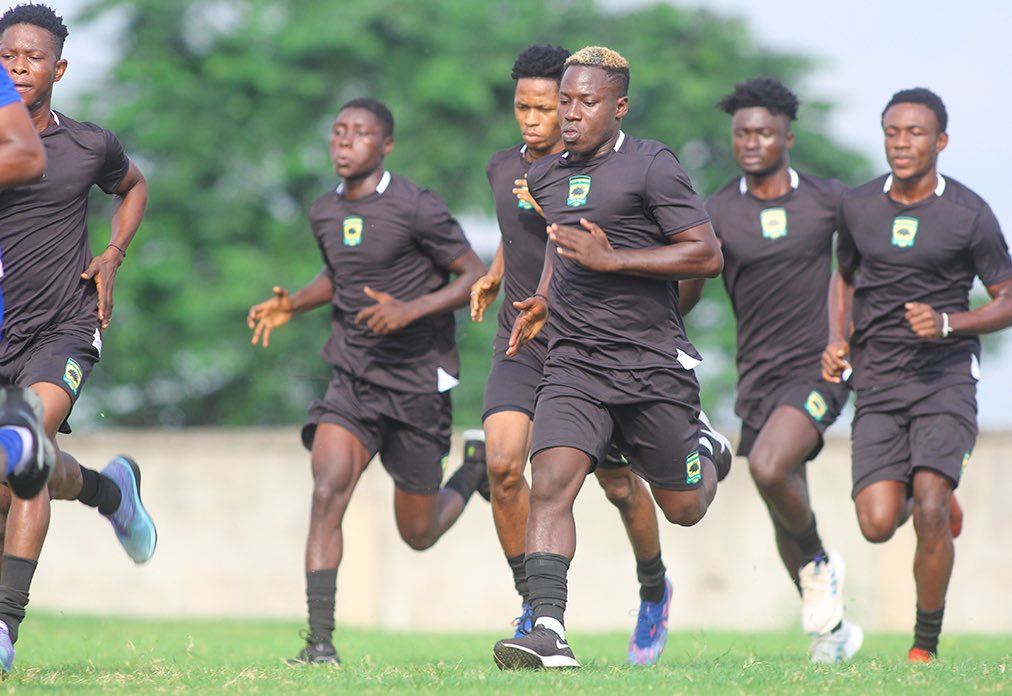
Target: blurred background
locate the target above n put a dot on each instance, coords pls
(226, 106)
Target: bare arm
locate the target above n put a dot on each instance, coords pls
(22, 157)
(689, 293)
(131, 198)
(278, 310)
(988, 318)
(390, 314)
(841, 299)
(692, 253)
(485, 289)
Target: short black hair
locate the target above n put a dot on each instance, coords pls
(767, 92)
(544, 61)
(615, 66)
(41, 16)
(377, 108)
(921, 95)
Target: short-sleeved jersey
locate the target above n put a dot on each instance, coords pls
(524, 237)
(926, 252)
(44, 231)
(640, 196)
(399, 240)
(777, 263)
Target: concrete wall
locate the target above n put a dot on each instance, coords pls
(232, 508)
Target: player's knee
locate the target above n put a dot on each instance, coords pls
(505, 468)
(766, 471)
(687, 513)
(877, 525)
(931, 518)
(416, 538)
(618, 490)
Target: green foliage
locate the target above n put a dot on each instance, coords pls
(226, 106)
(61, 654)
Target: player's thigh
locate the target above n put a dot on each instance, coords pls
(784, 443)
(338, 458)
(415, 444)
(56, 405)
(943, 439)
(507, 445)
(661, 441)
(880, 449)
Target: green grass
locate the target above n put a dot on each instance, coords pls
(79, 655)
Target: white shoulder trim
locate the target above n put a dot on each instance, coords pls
(793, 175)
(939, 187)
(381, 187)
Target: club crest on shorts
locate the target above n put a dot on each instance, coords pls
(579, 189)
(72, 375)
(353, 225)
(693, 467)
(774, 223)
(444, 461)
(966, 463)
(904, 231)
(816, 406)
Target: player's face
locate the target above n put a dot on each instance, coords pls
(536, 108)
(760, 141)
(590, 110)
(29, 54)
(357, 143)
(912, 140)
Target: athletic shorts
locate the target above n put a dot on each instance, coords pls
(652, 415)
(821, 401)
(411, 432)
(64, 356)
(914, 425)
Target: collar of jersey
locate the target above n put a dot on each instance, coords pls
(939, 188)
(618, 144)
(795, 180)
(381, 187)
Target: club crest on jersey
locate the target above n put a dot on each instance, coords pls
(904, 231)
(353, 225)
(72, 375)
(579, 189)
(816, 406)
(693, 467)
(521, 203)
(774, 223)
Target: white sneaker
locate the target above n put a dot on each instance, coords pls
(822, 594)
(838, 646)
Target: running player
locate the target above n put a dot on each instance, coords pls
(58, 298)
(910, 244)
(776, 229)
(389, 248)
(512, 382)
(26, 461)
(624, 225)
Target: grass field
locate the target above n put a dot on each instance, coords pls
(79, 655)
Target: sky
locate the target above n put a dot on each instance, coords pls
(865, 51)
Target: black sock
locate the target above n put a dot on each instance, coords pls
(927, 629)
(810, 545)
(321, 592)
(519, 576)
(15, 581)
(546, 576)
(99, 491)
(651, 576)
(466, 479)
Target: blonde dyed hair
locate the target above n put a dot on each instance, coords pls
(608, 60)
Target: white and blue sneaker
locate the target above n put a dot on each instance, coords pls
(132, 523)
(821, 582)
(525, 622)
(6, 648)
(651, 632)
(839, 645)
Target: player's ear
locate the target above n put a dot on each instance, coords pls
(941, 142)
(789, 139)
(388, 145)
(622, 107)
(61, 67)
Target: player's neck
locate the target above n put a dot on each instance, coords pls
(360, 187)
(770, 185)
(914, 190)
(41, 115)
(532, 156)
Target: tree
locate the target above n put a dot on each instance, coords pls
(226, 105)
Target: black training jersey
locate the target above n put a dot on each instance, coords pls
(523, 246)
(926, 252)
(44, 232)
(777, 265)
(640, 196)
(399, 240)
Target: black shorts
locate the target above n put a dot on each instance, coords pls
(821, 401)
(411, 432)
(512, 385)
(64, 356)
(913, 425)
(653, 416)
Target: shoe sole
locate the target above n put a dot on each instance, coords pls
(139, 506)
(514, 657)
(27, 487)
